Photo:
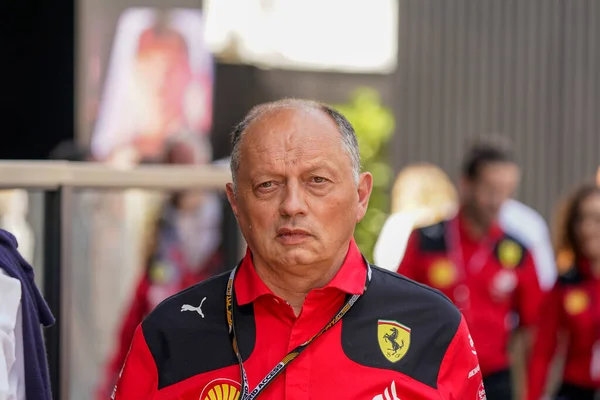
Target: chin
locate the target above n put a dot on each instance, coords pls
(299, 255)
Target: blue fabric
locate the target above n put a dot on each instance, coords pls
(35, 312)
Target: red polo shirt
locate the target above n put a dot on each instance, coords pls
(400, 341)
(487, 278)
(571, 308)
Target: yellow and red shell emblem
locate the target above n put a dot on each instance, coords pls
(221, 389)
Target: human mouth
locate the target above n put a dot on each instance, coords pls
(292, 236)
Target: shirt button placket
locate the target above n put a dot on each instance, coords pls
(298, 372)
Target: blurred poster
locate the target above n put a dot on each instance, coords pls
(327, 35)
(159, 83)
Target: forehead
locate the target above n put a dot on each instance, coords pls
(291, 124)
(292, 135)
(500, 171)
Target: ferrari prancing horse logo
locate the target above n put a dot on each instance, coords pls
(394, 339)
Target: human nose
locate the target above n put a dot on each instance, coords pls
(293, 201)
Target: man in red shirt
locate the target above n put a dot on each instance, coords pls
(487, 273)
(303, 315)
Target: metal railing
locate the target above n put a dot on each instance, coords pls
(59, 180)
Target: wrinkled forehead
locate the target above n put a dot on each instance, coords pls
(293, 136)
(290, 127)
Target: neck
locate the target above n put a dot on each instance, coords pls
(474, 227)
(292, 283)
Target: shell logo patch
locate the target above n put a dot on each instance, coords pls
(576, 301)
(442, 274)
(510, 253)
(394, 339)
(221, 389)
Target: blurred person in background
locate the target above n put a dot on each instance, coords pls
(485, 271)
(422, 195)
(23, 366)
(571, 311)
(184, 249)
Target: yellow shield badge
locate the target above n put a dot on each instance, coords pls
(510, 253)
(394, 339)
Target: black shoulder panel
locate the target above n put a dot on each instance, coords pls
(571, 277)
(185, 342)
(510, 251)
(431, 317)
(433, 238)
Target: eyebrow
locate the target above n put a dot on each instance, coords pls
(327, 167)
(324, 165)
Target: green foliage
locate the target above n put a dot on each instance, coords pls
(374, 126)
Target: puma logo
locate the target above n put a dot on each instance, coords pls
(187, 307)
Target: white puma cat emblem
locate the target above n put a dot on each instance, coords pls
(187, 307)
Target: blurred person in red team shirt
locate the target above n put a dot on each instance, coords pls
(572, 309)
(184, 250)
(489, 275)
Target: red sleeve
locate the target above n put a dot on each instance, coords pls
(460, 376)
(139, 377)
(544, 345)
(409, 264)
(528, 294)
(134, 316)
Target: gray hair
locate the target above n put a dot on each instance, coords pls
(349, 141)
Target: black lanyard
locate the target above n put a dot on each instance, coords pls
(245, 393)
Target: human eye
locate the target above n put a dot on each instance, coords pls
(318, 179)
(265, 187)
